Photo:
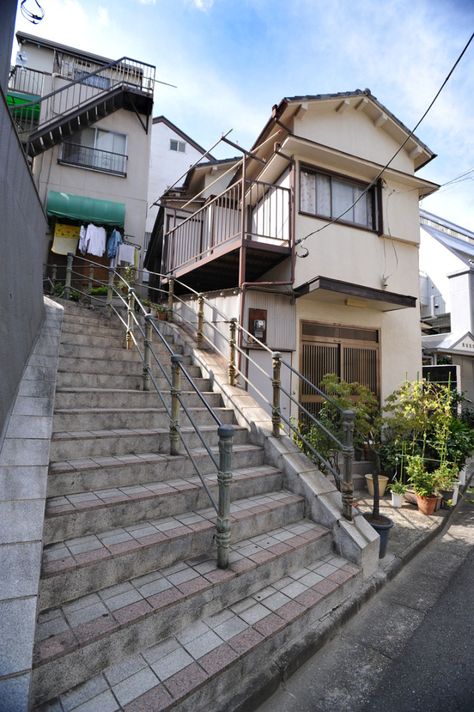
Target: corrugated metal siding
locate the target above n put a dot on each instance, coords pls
(281, 318)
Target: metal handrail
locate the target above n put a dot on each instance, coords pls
(225, 432)
(344, 445)
(28, 115)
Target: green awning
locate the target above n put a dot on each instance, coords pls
(79, 207)
(17, 101)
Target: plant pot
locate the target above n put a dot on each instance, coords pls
(162, 315)
(383, 482)
(382, 526)
(446, 496)
(410, 497)
(426, 505)
(397, 500)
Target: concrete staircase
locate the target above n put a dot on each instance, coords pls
(134, 613)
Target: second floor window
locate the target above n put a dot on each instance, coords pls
(328, 196)
(99, 149)
(179, 146)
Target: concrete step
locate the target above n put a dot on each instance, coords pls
(122, 398)
(111, 443)
(87, 474)
(113, 351)
(133, 418)
(78, 515)
(100, 338)
(80, 565)
(121, 367)
(81, 639)
(84, 324)
(66, 379)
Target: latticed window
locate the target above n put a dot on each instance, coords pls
(329, 196)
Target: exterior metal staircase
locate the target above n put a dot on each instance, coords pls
(50, 119)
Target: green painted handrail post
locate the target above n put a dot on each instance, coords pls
(224, 479)
(110, 287)
(54, 277)
(91, 280)
(129, 334)
(276, 384)
(67, 286)
(147, 353)
(232, 370)
(347, 485)
(200, 326)
(176, 360)
(170, 299)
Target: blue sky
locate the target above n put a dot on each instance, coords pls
(233, 59)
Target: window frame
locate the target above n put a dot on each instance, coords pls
(178, 144)
(374, 191)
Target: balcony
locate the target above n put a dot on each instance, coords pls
(235, 237)
(74, 154)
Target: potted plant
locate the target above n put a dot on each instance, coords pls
(161, 311)
(424, 484)
(446, 478)
(397, 490)
(379, 522)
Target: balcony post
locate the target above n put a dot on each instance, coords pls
(200, 325)
(129, 333)
(224, 479)
(276, 384)
(176, 360)
(347, 485)
(147, 353)
(232, 369)
(170, 299)
(67, 286)
(110, 287)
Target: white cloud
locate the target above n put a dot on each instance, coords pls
(147, 2)
(103, 19)
(203, 5)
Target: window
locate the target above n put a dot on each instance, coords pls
(330, 196)
(177, 145)
(92, 80)
(99, 149)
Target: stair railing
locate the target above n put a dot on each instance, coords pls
(229, 346)
(140, 329)
(233, 340)
(78, 92)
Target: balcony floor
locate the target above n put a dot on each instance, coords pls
(220, 270)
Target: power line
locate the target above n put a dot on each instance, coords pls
(380, 173)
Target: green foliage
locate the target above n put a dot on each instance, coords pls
(398, 487)
(98, 291)
(424, 483)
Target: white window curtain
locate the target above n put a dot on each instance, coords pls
(308, 192)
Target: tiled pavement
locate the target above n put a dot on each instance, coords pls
(164, 673)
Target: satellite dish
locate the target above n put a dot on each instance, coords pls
(21, 58)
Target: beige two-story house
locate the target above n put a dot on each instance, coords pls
(312, 240)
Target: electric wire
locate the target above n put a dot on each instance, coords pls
(409, 136)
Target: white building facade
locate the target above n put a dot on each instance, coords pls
(447, 297)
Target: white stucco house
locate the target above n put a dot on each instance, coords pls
(311, 241)
(447, 297)
(172, 153)
(86, 124)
